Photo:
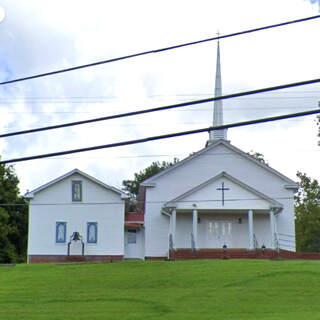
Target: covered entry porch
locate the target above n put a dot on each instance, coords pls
(222, 229)
(222, 213)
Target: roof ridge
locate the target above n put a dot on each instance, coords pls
(30, 194)
(211, 146)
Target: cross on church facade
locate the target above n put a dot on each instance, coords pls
(223, 189)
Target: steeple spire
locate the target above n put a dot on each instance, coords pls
(218, 107)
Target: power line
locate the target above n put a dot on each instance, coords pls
(159, 50)
(165, 155)
(161, 137)
(168, 107)
(226, 109)
(148, 202)
(91, 99)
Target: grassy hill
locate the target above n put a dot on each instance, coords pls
(216, 289)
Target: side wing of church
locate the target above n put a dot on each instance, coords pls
(76, 215)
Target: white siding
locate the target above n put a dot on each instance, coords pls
(55, 204)
(195, 172)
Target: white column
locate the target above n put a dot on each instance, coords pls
(173, 226)
(250, 229)
(272, 230)
(195, 227)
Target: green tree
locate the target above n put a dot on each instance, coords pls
(307, 212)
(13, 218)
(258, 156)
(132, 186)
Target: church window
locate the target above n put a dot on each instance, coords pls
(132, 236)
(76, 191)
(92, 232)
(61, 231)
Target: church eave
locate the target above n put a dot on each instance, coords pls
(287, 181)
(273, 203)
(32, 193)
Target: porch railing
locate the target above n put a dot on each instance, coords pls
(170, 241)
(255, 242)
(286, 241)
(193, 244)
(276, 242)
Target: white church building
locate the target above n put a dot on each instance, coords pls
(218, 200)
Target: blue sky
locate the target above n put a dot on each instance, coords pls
(41, 36)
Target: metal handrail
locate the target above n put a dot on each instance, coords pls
(276, 242)
(287, 245)
(193, 244)
(255, 242)
(170, 241)
(286, 235)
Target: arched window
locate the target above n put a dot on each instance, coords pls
(92, 232)
(61, 231)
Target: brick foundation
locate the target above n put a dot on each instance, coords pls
(182, 254)
(156, 258)
(58, 258)
(185, 254)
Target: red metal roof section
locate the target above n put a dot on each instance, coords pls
(137, 217)
(133, 225)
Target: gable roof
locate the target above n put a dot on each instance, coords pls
(273, 203)
(31, 194)
(289, 184)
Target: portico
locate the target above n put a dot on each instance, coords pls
(243, 218)
(236, 229)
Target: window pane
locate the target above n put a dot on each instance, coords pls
(92, 232)
(61, 228)
(76, 191)
(132, 236)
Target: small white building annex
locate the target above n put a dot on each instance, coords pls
(76, 215)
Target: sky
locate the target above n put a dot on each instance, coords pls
(40, 36)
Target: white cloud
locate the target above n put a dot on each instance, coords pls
(41, 36)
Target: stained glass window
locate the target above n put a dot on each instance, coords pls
(61, 230)
(92, 232)
(76, 190)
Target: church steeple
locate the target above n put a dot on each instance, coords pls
(218, 107)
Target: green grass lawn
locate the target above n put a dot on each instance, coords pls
(204, 289)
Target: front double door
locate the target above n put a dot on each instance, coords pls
(218, 233)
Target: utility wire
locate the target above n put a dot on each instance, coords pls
(88, 99)
(161, 137)
(159, 50)
(142, 201)
(168, 107)
(164, 155)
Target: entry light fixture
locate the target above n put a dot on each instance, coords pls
(240, 220)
